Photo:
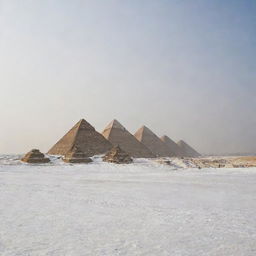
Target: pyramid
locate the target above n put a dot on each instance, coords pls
(83, 136)
(151, 141)
(118, 156)
(118, 135)
(173, 147)
(186, 150)
(35, 157)
(75, 155)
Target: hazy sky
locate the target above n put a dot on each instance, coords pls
(183, 68)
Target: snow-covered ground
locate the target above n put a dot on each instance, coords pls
(141, 209)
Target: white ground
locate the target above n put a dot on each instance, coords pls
(139, 209)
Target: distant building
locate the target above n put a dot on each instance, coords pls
(187, 150)
(153, 142)
(118, 135)
(173, 147)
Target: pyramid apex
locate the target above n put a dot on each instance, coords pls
(82, 121)
(83, 124)
(166, 138)
(142, 128)
(115, 124)
(145, 129)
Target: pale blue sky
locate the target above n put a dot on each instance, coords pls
(183, 68)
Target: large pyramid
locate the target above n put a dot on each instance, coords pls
(151, 141)
(83, 136)
(173, 147)
(187, 150)
(118, 135)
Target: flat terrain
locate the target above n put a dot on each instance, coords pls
(138, 209)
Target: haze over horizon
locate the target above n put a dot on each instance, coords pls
(183, 68)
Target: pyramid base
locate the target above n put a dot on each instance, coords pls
(77, 160)
(118, 161)
(36, 160)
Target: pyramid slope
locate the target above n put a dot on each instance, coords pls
(173, 147)
(187, 150)
(118, 135)
(153, 142)
(83, 136)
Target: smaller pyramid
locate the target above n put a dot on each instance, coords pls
(118, 156)
(75, 155)
(118, 135)
(35, 157)
(187, 150)
(153, 142)
(84, 136)
(173, 147)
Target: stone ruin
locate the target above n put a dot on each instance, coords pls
(75, 155)
(118, 156)
(35, 157)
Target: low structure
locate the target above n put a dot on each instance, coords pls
(118, 156)
(35, 157)
(75, 156)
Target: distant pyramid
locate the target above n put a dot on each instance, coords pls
(118, 156)
(151, 141)
(118, 135)
(173, 147)
(187, 150)
(83, 136)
